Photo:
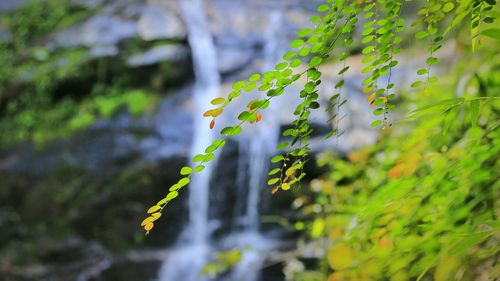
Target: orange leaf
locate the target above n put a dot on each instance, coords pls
(148, 227)
(208, 113)
(147, 221)
(213, 112)
(371, 97)
(396, 171)
(259, 118)
(212, 124)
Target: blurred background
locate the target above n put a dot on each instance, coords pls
(101, 104)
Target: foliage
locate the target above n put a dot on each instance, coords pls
(223, 261)
(48, 93)
(418, 205)
(336, 23)
(35, 19)
(422, 203)
(72, 116)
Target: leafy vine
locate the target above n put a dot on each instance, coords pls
(335, 20)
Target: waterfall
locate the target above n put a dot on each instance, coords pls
(263, 145)
(207, 83)
(257, 147)
(186, 262)
(193, 250)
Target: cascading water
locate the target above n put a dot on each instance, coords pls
(192, 251)
(257, 148)
(186, 262)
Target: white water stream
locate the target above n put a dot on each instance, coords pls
(195, 246)
(186, 262)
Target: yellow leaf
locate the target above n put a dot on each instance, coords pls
(156, 216)
(208, 113)
(213, 112)
(289, 172)
(371, 97)
(447, 268)
(340, 257)
(336, 276)
(149, 226)
(154, 209)
(366, 90)
(217, 112)
(317, 228)
(147, 220)
(285, 186)
(217, 101)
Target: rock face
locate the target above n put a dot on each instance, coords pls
(121, 20)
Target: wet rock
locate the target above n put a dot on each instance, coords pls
(103, 51)
(6, 6)
(120, 20)
(233, 59)
(172, 53)
(157, 22)
(142, 265)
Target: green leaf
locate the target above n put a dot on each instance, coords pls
(289, 55)
(323, 8)
(181, 183)
(239, 85)
(199, 168)
(422, 71)
(314, 105)
(281, 66)
(295, 63)
(368, 50)
(421, 34)
(273, 181)
(417, 84)
(247, 116)
(254, 77)
(231, 131)
(315, 19)
(474, 111)
(297, 43)
(198, 158)
(274, 171)
(250, 86)
(492, 33)
(304, 52)
(343, 70)
(376, 123)
(432, 60)
(315, 61)
(449, 118)
(448, 7)
(171, 195)
(277, 158)
(283, 145)
(378, 111)
(186, 171)
(304, 32)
